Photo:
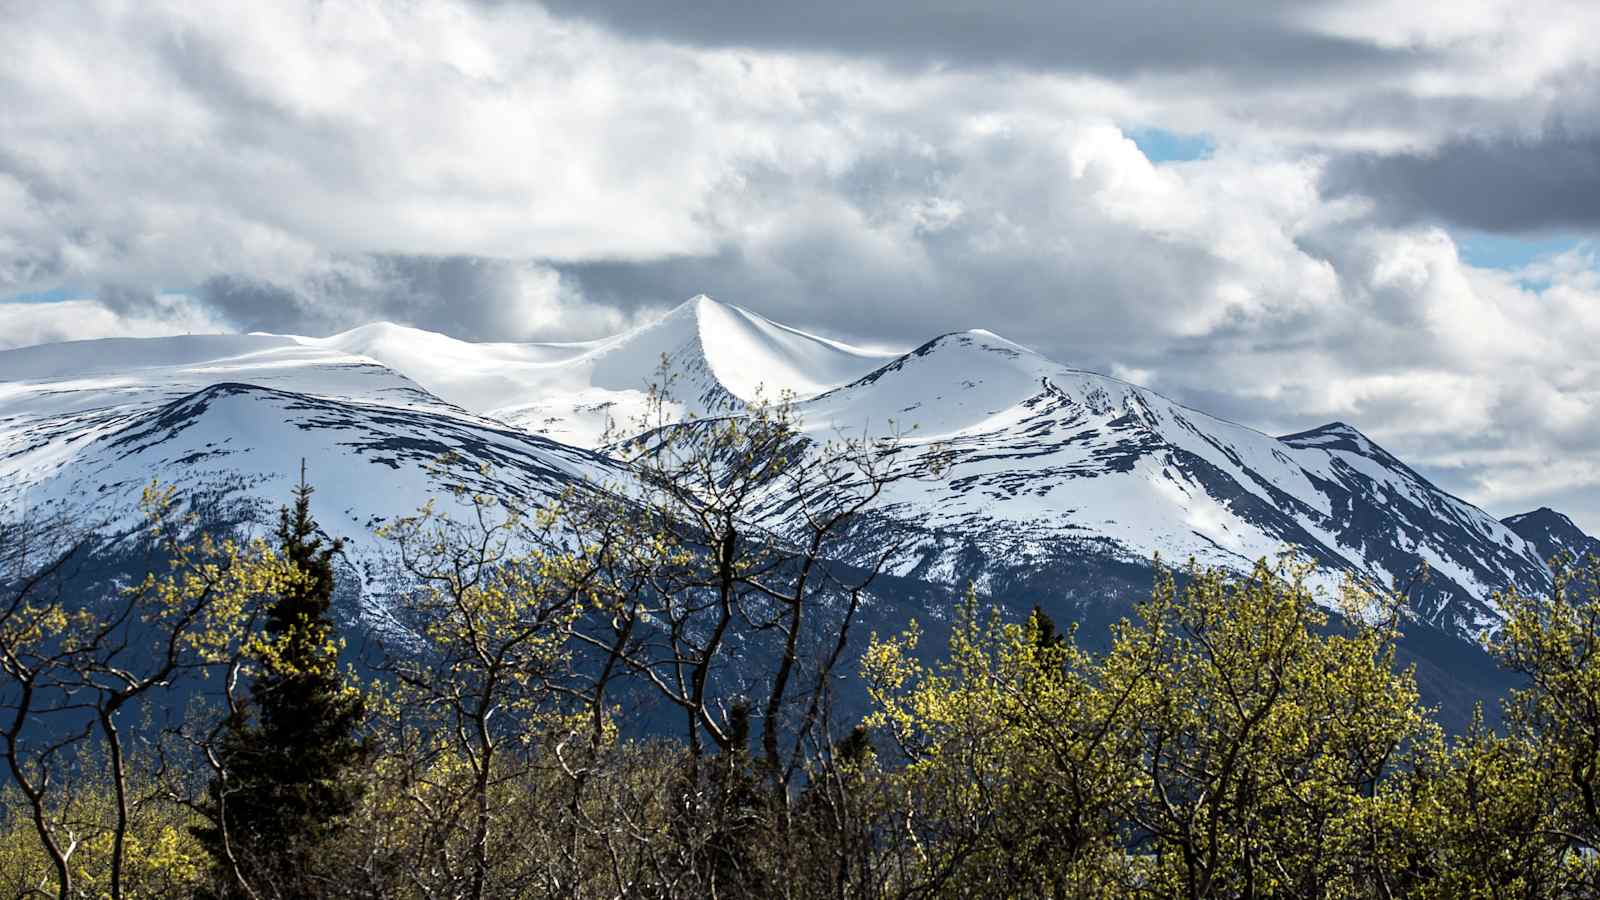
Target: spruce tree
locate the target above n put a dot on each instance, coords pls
(1046, 633)
(291, 754)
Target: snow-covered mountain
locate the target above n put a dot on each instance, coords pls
(85, 426)
(1553, 534)
(1053, 477)
(722, 357)
(1047, 463)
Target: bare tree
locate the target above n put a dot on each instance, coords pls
(719, 569)
(34, 655)
(480, 665)
(75, 663)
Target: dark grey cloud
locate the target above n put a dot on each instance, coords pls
(473, 298)
(253, 304)
(129, 300)
(1243, 38)
(1499, 185)
(1081, 311)
(463, 296)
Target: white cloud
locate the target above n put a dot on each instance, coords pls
(162, 142)
(25, 324)
(165, 140)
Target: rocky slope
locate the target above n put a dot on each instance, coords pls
(1054, 482)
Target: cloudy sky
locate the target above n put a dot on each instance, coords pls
(1376, 211)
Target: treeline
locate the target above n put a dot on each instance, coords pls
(1233, 741)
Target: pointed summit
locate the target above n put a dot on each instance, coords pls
(1342, 437)
(1552, 533)
(694, 308)
(721, 356)
(1333, 436)
(746, 353)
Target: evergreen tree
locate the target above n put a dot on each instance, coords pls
(290, 755)
(736, 819)
(1046, 635)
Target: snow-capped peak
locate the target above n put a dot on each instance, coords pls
(1039, 464)
(747, 354)
(721, 355)
(1553, 534)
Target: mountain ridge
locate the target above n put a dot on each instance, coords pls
(1047, 467)
(1042, 453)
(1554, 534)
(723, 356)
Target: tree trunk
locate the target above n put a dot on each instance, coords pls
(119, 783)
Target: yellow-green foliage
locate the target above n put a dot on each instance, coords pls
(1012, 766)
(78, 666)
(494, 617)
(1265, 744)
(162, 857)
(1555, 641)
(212, 586)
(1230, 743)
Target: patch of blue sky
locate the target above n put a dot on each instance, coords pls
(69, 292)
(54, 295)
(1509, 252)
(1159, 145)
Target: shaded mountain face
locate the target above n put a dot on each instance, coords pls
(1053, 485)
(1553, 534)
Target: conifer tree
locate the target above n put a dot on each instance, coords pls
(1046, 634)
(289, 757)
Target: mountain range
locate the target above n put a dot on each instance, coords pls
(1054, 483)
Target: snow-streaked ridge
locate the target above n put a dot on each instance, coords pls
(1044, 467)
(721, 355)
(1046, 462)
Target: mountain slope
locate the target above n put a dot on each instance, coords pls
(228, 421)
(1049, 466)
(1553, 534)
(1056, 482)
(59, 398)
(722, 356)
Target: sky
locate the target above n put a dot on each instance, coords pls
(1374, 211)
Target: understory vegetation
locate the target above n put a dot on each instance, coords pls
(636, 692)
